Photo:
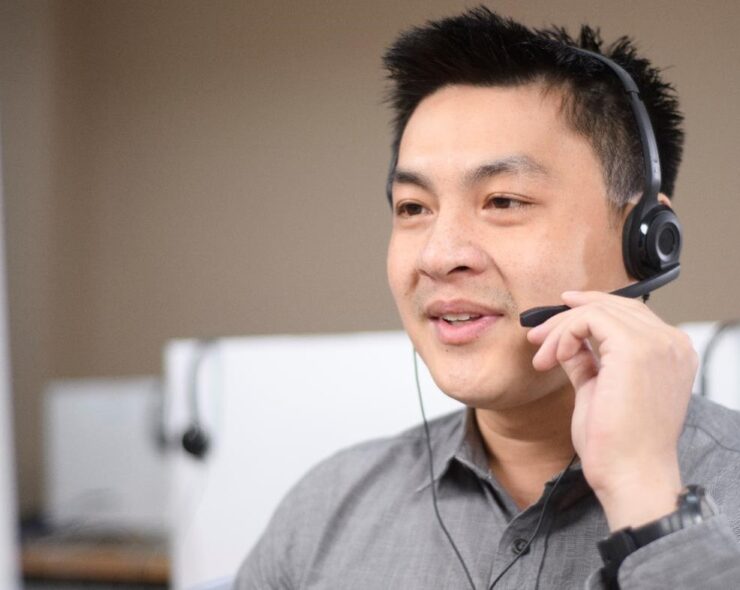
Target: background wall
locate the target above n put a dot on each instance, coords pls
(189, 168)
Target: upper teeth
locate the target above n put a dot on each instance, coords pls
(458, 317)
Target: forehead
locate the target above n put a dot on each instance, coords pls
(461, 124)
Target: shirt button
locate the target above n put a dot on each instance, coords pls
(519, 545)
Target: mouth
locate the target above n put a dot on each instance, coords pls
(461, 322)
(459, 318)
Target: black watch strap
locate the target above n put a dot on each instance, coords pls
(693, 508)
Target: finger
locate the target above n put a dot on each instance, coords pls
(628, 305)
(579, 299)
(538, 334)
(574, 338)
(595, 321)
(546, 357)
(582, 366)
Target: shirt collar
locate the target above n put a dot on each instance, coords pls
(461, 441)
(445, 444)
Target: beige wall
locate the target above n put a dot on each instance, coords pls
(184, 168)
(27, 120)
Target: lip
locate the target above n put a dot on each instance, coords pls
(466, 332)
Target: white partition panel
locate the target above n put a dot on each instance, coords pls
(722, 367)
(275, 406)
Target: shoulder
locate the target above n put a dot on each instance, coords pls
(710, 453)
(377, 460)
(709, 425)
(343, 488)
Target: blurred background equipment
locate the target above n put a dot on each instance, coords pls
(104, 461)
(104, 518)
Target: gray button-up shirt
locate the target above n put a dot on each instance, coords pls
(363, 520)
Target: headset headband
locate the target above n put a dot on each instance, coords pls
(647, 136)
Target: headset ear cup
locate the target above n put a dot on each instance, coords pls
(653, 243)
(664, 239)
(630, 255)
(195, 441)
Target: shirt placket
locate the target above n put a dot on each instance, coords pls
(512, 547)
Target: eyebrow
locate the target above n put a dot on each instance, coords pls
(514, 164)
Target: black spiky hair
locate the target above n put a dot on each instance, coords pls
(480, 48)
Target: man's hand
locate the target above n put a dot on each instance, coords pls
(632, 375)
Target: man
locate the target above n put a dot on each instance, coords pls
(516, 162)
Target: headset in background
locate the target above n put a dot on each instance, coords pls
(195, 439)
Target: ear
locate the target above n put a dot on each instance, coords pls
(664, 200)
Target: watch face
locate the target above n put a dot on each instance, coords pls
(695, 505)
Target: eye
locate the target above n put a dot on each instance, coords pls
(506, 203)
(409, 209)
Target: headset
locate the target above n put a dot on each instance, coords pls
(651, 246)
(195, 439)
(652, 236)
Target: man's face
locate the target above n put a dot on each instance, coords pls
(498, 207)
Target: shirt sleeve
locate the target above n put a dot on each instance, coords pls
(267, 567)
(278, 560)
(705, 555)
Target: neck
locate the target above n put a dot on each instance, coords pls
(528, 445)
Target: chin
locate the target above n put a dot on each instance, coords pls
(472, 381)
(486, 396)
(491, 383)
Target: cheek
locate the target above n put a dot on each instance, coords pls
(571, 254)
(536, 272)
(603, 261)
(399, 267)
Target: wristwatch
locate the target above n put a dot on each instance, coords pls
(694, 506)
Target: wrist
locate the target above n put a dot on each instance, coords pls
(693, 506)
(640, 500)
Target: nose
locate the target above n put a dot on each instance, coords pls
(453, 247)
